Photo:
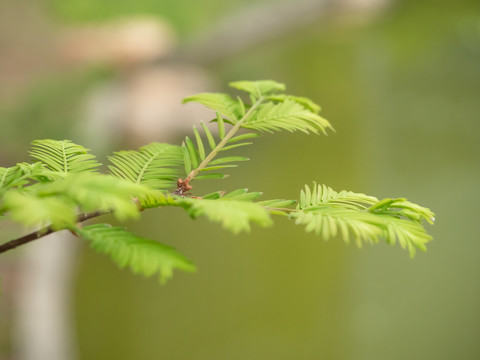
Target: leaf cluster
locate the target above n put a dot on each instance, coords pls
(62, 186)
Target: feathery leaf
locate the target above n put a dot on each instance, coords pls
(155, 165)
(288, 115)
(142, 256)
(30, 209)
(63, 156)
(258, 88)
(221, 103)
(362, 217)
(211, 141)
(305, 102)
(11, 177)
(235, 213)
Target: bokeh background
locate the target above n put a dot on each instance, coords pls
(400, 82)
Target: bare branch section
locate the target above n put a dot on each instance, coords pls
(12, 244)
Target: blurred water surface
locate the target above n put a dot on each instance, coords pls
(402, 91)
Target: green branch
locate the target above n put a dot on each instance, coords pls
(47, 230)
(222, 143)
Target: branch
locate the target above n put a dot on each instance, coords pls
(222, 143)
(12, 244)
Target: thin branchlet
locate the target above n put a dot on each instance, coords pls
(222, 143)
(35, 235)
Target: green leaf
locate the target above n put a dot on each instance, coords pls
(403, 208)
(329, 213)
(328, 222)
(221, 103)
(243, 137)
(322, 196)
(192, 152)
(201, 148)
(228, 159)
(63, 156)
(305, 102)
(186, 159)
(221, 126)
(288, 115)
(155, 165)
(211, 176)
(142, 256)
(211, 141)
(258, 88)
(235, 146)
(218, 167)
(234, 215)
(11, 177)
(410, 235)
(92, 192)
(31, 210)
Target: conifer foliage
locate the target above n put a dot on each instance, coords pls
(62, 187)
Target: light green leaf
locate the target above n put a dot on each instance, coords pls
(192, 152)
(211, 141)
(305, 102)
(258, 88)
(63, 156)
(228, 159)
(201, 148)
(142, 256)
(211, 176)
(92, 192)
(221, 126)
(155, 165)
(322, 196)
(11, 177)
(234, 215)
(31, 210)
(234, 146)
(243, 137)
(288, 115)
(361, 217)
(187, 162)
(221, 103)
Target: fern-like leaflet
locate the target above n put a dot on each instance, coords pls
(143, 256)
(329, 213)
(267, 112)
(63, 156)
(156, 165)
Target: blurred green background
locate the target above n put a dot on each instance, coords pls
(401, 88)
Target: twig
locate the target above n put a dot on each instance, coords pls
(12, 244)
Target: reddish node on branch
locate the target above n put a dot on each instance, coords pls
(182, 187)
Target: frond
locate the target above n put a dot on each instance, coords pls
(330, 222)
(286, 115)
(403, 208)
(38, 172)
(258, 88)
(63, 156)
(322, 196)
(29, 209)
(58, 203)
(10, 177)
(234, 211)
(142, 256)
(195, 154)
(98, 192)
(155, 165)
(305, 102)
(329, 213)
(410, 235)
(221, 103)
